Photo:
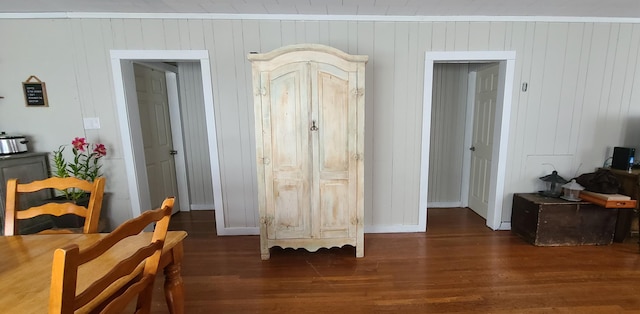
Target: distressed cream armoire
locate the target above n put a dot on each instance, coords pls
(309, 115)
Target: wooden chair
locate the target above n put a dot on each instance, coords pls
(91, 213)
(112, 292)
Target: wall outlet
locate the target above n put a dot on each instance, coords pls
(91, 123)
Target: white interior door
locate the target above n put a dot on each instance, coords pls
(156, 134)
(482, 138)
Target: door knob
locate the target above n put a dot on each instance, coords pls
(173, 152)
(313, 126)
(472, 148)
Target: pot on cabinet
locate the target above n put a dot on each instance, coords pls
(12, 144)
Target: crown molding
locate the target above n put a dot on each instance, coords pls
(319, 17)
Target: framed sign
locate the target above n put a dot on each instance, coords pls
(35, 92)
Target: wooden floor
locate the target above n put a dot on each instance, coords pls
(457, 266)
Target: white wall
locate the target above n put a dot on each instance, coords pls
(583, 96)
(448, 114)
(195, 135)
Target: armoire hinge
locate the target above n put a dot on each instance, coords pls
(266, 220)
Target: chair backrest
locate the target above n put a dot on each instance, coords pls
(123, 282)
(91, 213)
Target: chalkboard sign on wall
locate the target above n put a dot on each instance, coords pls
(35, 92)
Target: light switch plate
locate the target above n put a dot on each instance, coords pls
(91, 123)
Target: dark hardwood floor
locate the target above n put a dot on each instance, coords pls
(457, 266)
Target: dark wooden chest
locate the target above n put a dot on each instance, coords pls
(549, 221)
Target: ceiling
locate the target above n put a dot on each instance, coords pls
(568, 8)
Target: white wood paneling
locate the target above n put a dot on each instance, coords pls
(448, 114)
(616, 109)
(498, 36)
(592, 128)
(569, 83)
(232, 145)
(401, 112)
(365, 42)
(151, 34)
(414, 76)
(461, 36)
(521, 43)
(536, 84)
(171, 34)
(631, 123)
(555, 37)
(196, 34)
(195, 136)
(479, 35)
(383, 124)
(583, 81)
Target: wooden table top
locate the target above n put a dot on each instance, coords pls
(25, 265)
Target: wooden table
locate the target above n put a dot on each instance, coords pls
(629, 185)
(25, 267)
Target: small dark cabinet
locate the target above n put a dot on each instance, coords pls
(549, 221)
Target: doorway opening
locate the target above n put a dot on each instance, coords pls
(122, 62)
(161, 131)
(495, 177)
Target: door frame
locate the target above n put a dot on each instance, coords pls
(500, 134)
(129, 120)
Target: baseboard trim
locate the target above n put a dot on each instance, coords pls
(239, 231)
(444, 204)
(505, 225)
(393, 229)
(201, 207)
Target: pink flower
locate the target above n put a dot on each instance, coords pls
(100, 150)
(85, 164)
(79, 143)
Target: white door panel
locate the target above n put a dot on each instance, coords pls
(482, 137)
(156, 134)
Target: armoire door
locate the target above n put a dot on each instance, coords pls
(285, 116)
(334, 148)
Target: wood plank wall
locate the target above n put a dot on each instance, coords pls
(448, 114)
(194, 131)
(583, 93)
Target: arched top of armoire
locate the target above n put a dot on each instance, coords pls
(306, 53)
